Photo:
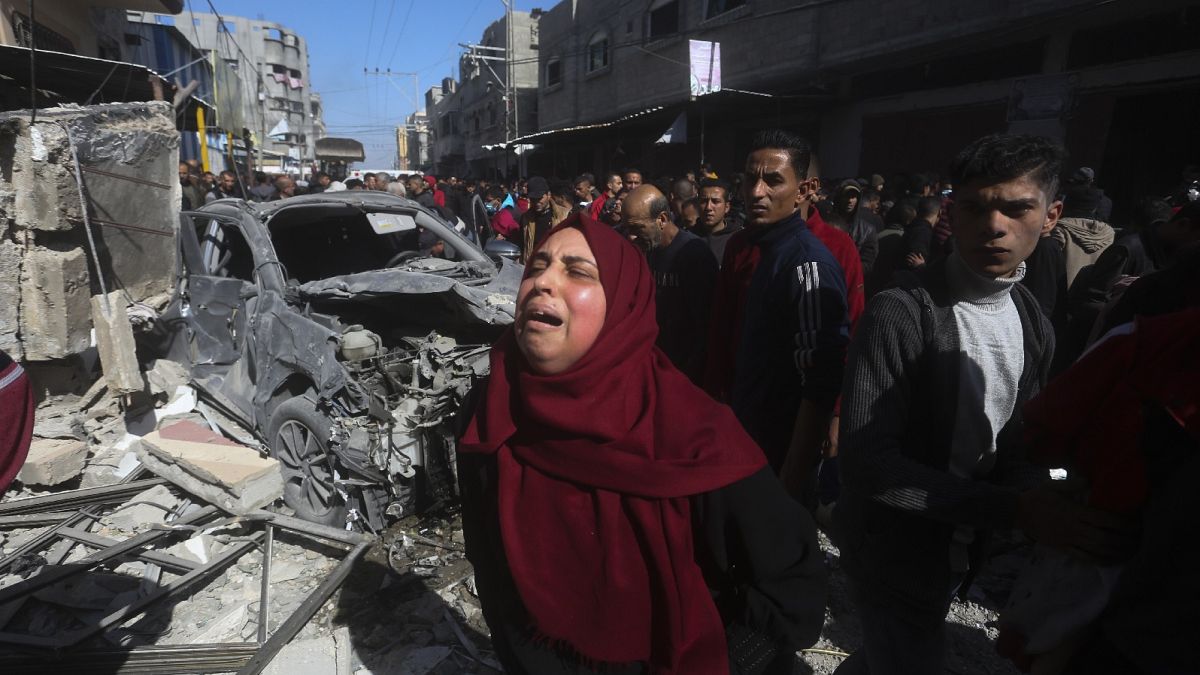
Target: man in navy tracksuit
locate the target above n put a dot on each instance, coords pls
(778, 352)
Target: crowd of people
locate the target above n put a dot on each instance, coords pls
(704, 369)
(204, 187)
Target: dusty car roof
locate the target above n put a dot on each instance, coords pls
(368, 198)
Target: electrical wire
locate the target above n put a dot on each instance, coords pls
(400, 34)
(371, 33)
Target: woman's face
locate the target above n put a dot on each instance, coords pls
(561, 304)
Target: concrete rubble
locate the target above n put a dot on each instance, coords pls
(52, 461)
(409, 605)
(210, 466)
(128, 154)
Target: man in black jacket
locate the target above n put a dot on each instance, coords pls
(937, 373)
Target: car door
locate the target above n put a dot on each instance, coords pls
(218, 297)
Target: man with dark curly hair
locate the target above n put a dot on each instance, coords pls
(930, 450)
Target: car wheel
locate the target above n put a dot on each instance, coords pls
(299, 438)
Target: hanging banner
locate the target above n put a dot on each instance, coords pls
(705, 61)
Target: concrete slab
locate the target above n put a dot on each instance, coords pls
(212, 467)
(55, 314)
(305, 657)
(53, 460)
(149, 507)
(114, 339)
(10, 287)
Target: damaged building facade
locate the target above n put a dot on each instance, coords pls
(50, 265)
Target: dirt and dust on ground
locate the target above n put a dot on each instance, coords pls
(108, 567)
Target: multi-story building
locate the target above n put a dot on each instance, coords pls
(87, 51)
(475, 119)
(271, 62)
(416, 126)
(447, 149)
(83, 27)
(879, 86)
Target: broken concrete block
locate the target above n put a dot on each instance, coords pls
(212, 467)
(163, 377)
(114, 339)
(226, 627)
(55, 315)
(52, 461)
(305, 657)
(149, 507)
(10, 289)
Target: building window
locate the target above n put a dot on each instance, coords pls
(164, 20)
(232, 63)
(597, 53)
(716, 7)
(663, 18)
(30, 34)
(533, 36)
(226, 27)
(553, 72)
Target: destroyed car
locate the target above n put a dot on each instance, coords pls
(345, 330)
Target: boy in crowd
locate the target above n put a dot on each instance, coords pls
(937, 374)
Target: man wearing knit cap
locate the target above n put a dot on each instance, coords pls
(542, 216)
(930, 441)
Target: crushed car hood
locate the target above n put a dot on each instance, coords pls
(491, 301)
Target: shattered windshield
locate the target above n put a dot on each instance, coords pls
(319, 243)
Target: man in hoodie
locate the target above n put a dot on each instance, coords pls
(845, 215)
(937, 374)
(1081, 233)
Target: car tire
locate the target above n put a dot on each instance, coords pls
(299, 440)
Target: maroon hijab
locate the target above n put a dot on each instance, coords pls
(595, 467)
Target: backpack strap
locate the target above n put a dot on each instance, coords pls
(911, 283)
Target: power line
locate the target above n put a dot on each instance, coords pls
(370, 32)
(386, 26)
(400, 34)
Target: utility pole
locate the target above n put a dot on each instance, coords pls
(416, 92)
(486, 53)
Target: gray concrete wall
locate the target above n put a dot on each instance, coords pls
(764, 43)
(46, 273)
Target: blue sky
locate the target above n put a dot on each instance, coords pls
(344, 37)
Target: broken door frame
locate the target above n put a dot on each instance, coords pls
(61, 646)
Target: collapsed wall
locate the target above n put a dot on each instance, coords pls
(129, 154)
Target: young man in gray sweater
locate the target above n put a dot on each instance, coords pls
(937, 373)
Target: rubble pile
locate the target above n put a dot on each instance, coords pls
(141, 538)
